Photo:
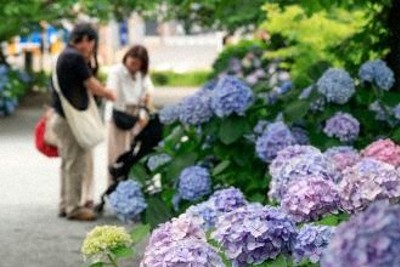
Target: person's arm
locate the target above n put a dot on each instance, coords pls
(97, 88)
(148, 89)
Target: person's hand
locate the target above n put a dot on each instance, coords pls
(110, 95)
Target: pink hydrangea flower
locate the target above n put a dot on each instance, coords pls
(384, 150)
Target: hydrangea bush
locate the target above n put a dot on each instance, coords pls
(370, 239)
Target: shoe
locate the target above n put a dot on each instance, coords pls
(89, 204)
(82, 214)
(62, 213)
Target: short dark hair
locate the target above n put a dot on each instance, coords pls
(80, 31)
(139, 52)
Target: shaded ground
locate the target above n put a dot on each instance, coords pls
(31, 234)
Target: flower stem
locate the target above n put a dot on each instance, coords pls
(113, 262)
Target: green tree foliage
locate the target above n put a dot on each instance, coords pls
(309, 39)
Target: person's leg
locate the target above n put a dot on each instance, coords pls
(117, 145)
(73, 166)
(88, 182)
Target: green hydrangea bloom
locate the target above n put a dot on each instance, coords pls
(103, 239)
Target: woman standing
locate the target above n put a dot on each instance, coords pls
(133, 86)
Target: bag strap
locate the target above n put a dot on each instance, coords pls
(54, 79)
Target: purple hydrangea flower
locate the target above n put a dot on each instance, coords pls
(158, 160)
(311, 242)
(186, 252)
(253, 234)
(127, 200)
(336, 85)
(183, 227)
(196, 109)
(303, 166)
(377, 72)
(368, 239)
(169, 114)
(342, 157)
(310, 198)
(288, 153)
(194, 183)
(301, 135)
(205, 212)
(230, 96)
(342, 126)
(367, 181)
(277, 136)
(228, 199)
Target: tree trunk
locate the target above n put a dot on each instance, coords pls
(393, 57)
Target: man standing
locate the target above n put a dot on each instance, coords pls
(76, 82)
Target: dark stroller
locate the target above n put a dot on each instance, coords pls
(143, 144)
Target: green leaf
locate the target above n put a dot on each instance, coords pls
(220, 167)
(296, 110)
(396, 135)
(391, 98)
(97, 264)
(157, 212)
(280, 261)
(122, 252)
(139, 232)
(232, 128)
(330, 220)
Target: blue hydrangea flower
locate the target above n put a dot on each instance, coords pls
(311, 242)
(196, 109)
(210, 85)
(228, 199)
(230, 96)
(377, 72)
(379, 110)
(300, 135)
(396, 111)
(310, 198)
(369, 239)
(277, 136)
(367, 181)
(336, 85)
(127, 200)
(306, 92)
(342, 126)
(169, 114)
(8, 105)
(24, 76)
(260, 127)
(206, 212)
(158, 160)
(253, 234)
(194, 183)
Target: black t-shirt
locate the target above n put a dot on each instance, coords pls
(72, 71)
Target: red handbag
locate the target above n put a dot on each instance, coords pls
(46, 149)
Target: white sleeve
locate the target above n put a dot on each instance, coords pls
(112, 83)
(148, 85)
(108, 111)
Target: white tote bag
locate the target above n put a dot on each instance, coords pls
(86, 125)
